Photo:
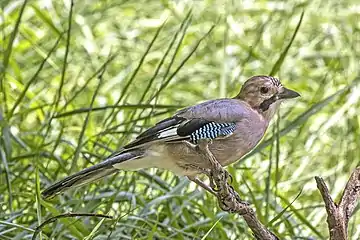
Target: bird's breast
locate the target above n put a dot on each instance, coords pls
(226, 150)
(246, 136)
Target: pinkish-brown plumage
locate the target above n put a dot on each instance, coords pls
(181, 156)
(235, 126)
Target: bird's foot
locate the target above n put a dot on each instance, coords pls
(218, 175)
(232, 203)
(235, 194)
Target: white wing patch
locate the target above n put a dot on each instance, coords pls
(168, 133)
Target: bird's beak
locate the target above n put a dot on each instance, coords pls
(287, 93)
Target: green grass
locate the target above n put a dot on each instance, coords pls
(79, 81)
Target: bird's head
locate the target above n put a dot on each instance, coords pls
(265, 93)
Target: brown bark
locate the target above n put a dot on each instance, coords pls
(339, 214)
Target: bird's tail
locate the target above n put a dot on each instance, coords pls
(90, 174)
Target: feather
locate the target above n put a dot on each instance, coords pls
(213, 130)
(190, 126)
(161, 131)
(179, 129)
(162, 126)
(187, 124)
(90, 174)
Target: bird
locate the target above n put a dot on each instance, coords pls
(233, 125)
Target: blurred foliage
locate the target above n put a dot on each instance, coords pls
(77, 81)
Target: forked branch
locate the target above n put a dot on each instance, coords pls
(339, 214)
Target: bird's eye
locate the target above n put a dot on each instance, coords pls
(264, 90)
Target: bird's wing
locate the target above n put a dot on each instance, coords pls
(208, 120)
(219, 110)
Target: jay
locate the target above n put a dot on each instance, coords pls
(233, 125)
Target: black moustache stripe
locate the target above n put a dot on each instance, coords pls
(264, 106)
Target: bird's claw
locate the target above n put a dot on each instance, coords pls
(220, 173)
(234, 193)
(232, 203)
(230, 177)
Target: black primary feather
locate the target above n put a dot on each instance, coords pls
(161, 126)
(190, 126)
(90, 174)
(176, 129)
(154, 132)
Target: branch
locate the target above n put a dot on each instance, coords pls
(229, 199)
(339, 214)
(66, 215)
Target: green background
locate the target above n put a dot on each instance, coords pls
(77, 82)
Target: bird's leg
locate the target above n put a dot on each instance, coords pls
(202, 184)
(229, 199)
(217, 172)
(207, 172)
(222, 201)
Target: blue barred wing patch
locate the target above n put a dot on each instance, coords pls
(212, 130)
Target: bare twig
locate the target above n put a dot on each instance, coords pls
(339, 214)
(229, 199)
(66, 215)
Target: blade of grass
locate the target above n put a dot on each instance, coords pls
(10, 224)
(277, 173)
(95, 229)
(183, 27)
(66, 55)
(77, 228)
(302, 218)
(212, 227)
(173, 40)
(33, 78)
(58, 94)
(281, 59)
(7, 55)
(112, 115)
(38, 197)
(268, 179)
(254, 201)
(87, 81)
(45, 19)
(164, 85)
(81, 136)
(7, 176)
(278, 216)
(122, 107)
(225, 69)
(5, 153)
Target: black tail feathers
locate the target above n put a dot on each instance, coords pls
(90, 174)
